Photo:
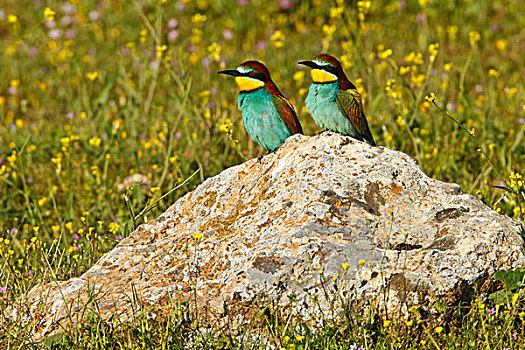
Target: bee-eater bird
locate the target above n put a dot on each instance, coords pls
(333, 100)
(267, 116)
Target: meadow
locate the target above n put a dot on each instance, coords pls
(111, 110)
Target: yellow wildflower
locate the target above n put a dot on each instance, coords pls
(214, 51)
(49, 14)
(501, 44)
(493, 73)
(198, 18)
(278, 38)
(431, 97)
(160, 50)
(474, 37)
(197, 236)
(113, 227)
(95, 141)
(92, 75)
(12, 18)
(384, 54)
(404, 70)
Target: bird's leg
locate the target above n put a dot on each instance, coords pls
(261, 157)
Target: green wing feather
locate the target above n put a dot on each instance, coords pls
(349, 103)
(287, 114)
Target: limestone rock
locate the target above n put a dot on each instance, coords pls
(268, 226)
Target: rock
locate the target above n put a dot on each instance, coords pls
(268, 226)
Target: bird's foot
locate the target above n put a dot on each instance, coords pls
(261, 157)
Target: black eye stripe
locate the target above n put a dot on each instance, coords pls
(256, 75)
(329, 69)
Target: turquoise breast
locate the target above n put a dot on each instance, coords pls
(322, 106)
(261, 119)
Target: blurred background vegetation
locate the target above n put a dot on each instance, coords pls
(93, 92)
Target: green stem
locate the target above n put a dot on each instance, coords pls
(152, 205)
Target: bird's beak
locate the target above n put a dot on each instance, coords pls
(232, 72)
(308, 64)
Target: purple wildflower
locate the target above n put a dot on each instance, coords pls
(68, 9)
(287, 4)
(55, 34)
(420, 17)
(154, 65)
(33, 51)
(355, 347)
(261, 45)
(65, 21)
(70, 34)
(206, 63)
(13, 230)
(173, 35)
(521, 121)
(124, 51)
(172, 23)
(227, 34)
(242, 2)
(51, 24)
(29, 180)
(94, 16)
(491, 311)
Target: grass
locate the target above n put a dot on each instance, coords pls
(94, 92)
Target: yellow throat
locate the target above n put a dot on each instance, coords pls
(322, 76)
(248, 84)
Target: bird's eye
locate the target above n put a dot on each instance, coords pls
(252, 74)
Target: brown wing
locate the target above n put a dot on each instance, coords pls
(349, 102)
(287, 114)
